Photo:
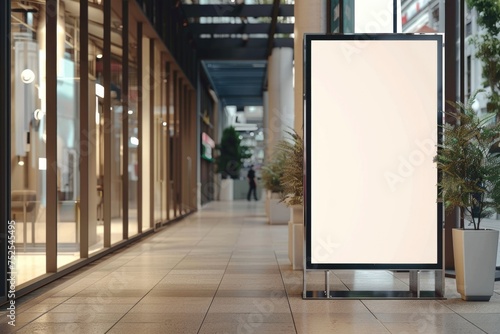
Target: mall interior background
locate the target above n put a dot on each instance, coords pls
(109, 103)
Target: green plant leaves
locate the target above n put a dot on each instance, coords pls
(231, 154)
(469, 164)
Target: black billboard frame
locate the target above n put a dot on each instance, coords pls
(413, 268)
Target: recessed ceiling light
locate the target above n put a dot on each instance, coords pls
(99, 56)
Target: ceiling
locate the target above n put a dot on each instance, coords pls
(237, 82)
(233, 41)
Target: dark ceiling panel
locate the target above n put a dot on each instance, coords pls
(235, 10)
(236, 67)
(250, 43)
(240, 53)
(242, 101)
(239, 28)
(237, 83)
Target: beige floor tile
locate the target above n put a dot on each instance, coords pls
(225, 270)
(103, 300)
(186, 287)
(268, 305)
(84, 317)
(247, 327)
(347, 318)
(488, 322)
(93, 308)
(174, 292)
(191, 279)
(26, 317)
(163, 317)
(8, 329)
(174, 305)
(193, 272)
(65, 328)
(40, 308)
(406, 306)
(255, 270)
(299, 305)
(450, 323)
(251, 293)
(170, 327)
(114, 292)
(307, 327)
(249, 317)
(461, 306)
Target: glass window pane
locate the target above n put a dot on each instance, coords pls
(68, 135)
(116, 131)
(96, 100)
(28, 163)
(133, 133)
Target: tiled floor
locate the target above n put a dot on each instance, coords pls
(225, 270)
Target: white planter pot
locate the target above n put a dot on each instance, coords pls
(269, 195)
(296, 237)
(475, 253)
(226, 190)
(278, 212)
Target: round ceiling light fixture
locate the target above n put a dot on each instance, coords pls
(38, 114)
(27, 76)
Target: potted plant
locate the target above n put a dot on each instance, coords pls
(272, 172)
(470, 180)
(230, 160)
(292, 177)
(293, 195)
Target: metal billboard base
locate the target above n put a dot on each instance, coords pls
(413, 292)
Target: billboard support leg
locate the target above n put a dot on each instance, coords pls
(415, 282)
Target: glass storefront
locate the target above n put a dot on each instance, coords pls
(28, 137)
(134, 169)
(68, 134)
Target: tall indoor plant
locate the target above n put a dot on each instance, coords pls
(470, 180)
(292, 178)
(272, 172)
(229, 161)
(231, 154)
(293, 195)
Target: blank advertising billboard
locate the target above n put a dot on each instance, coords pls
(372, 110)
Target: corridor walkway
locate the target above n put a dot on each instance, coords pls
(225, 270)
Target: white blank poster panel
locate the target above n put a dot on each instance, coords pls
(373, 139)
